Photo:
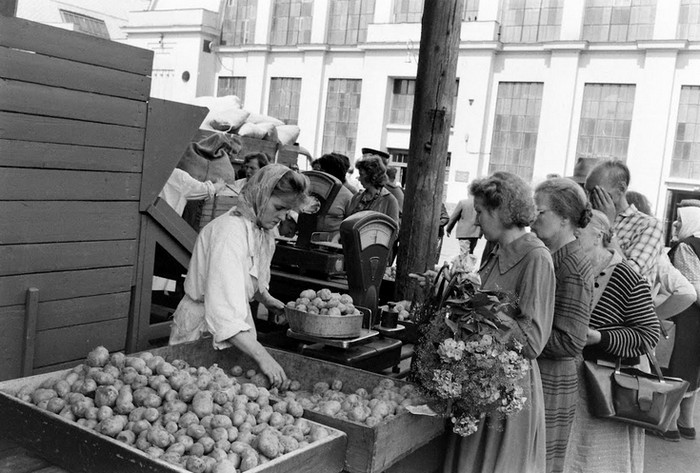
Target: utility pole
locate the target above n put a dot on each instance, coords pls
(430, 132)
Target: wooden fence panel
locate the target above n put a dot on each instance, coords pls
(44, 222)
(50, 184)
(30, 154)
(66, 284)
(37, 99)
(47, 257)
(56, 72)
(16, 126)
(70, 343)
(51, 41)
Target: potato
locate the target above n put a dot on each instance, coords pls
(260, 379)
(294, 408)
(236, 371)
(151, 414)
(249, 461)
(277, 420)
(246, 437)
(185, 440)
(154, 361)
(209, 464)
(55, 405)
(172, 457)
(258, 428)
(250, 373)
(102, 378)
(171, 427)
(372, 421)
(225, 466)
(43, 394)
(220, 397)
(238, 417)
(179, 379)
(264, 414)
(62, 387)
(127, 436)
(124, 403)
(196, 431)
(203, 380)
(104, 412)
(188, 391)
(303, 425)
(158, 437)
(250, 390)
(117, 360)
(288, 443)
(317, 433)
(112, 425)
(175, 406)
(280, 406)
(324, 294)
(197, 449)
(294, 385)
(98, 357)
(139, 364)
(195, 464)
(106, 396)
(269, 445)
(219, 452)
(207, 442)
(221, 421)
(308, 293)
(219, 433)
(81, 407)
(232, 434)
(141, 426)
(292, 431)
(137, 414)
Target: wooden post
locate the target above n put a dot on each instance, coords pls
(31, 314)
(430, 129)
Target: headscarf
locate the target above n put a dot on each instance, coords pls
(252, 201)
(690, 222)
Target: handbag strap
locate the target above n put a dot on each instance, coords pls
(654, 362)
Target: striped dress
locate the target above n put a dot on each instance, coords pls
(624, 315)
(572, 308)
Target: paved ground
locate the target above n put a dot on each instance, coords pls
(660, 456)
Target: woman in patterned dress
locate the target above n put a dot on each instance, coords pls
(623, 322)
(562, 208)
(521, 264)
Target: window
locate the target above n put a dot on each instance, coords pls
(239, 22)
(348, 21)
(689, 20)
(231, 86)
(471, 10)
(402, 102)
(399, 159)
(618, 20)
(284, 99)
(86, 24)
(606, 120)
(342, 111)
(685, 160)
(291, 22)
(515, 128)
(531, 21)
(407, 11)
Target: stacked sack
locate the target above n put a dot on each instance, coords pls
(227, 115)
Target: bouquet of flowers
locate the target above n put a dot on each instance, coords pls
(468, 360)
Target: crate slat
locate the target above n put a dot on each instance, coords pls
(66, 284)
(71, 75)
(47, 257)
(51, 41)
(38, 99)
(56, 221)
(17, 126)
(31, 154)
(53, 184)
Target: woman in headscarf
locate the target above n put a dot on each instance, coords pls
(375, 196)
(623, 323)
(685, 359)
(562, 209)
(230, 267)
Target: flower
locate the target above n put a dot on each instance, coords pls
(469, 361)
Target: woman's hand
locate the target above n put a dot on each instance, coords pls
(274, 372)
(592, 337)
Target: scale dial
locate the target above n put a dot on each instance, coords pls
(377, 233)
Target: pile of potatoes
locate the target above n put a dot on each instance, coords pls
(324, 302)
(383, 402)
(201, 419)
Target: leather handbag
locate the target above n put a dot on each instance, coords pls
(632, 396)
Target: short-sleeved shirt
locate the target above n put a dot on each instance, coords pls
(641, 240)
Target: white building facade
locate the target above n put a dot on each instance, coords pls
(541, 82)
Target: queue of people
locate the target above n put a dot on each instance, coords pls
(587, 265)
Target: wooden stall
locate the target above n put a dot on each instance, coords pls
(82, 153)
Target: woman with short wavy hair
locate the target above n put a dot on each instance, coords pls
(521, 264)
(375, 196)
(562, 209)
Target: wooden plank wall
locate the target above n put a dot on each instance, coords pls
(73, 112)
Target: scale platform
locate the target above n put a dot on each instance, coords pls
(344, 343)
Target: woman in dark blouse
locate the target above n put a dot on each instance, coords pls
(375, 196)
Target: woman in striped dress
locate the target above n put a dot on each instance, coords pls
(622, 322)
(563, 208)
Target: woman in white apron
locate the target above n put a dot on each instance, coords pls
(230, 267)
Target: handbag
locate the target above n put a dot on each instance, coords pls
(632, 396)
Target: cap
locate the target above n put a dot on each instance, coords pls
(582, 169)
(376, 152)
